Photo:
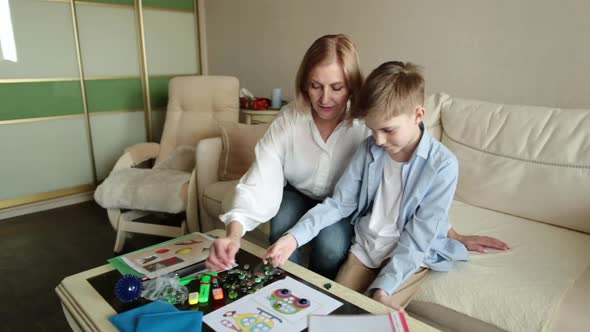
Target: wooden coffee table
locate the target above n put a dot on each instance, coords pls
(87, 310)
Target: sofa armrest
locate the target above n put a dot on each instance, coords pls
(137, 154)
(207, 157)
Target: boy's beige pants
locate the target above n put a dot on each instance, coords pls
(355, 275)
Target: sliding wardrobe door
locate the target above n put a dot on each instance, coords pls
(44, 141)
(109, 44)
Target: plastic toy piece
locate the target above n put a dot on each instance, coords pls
(128, 289)
(327, 285)
(204, 289)
(193, 298)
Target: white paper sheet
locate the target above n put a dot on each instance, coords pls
(281, 306)
(391, 322)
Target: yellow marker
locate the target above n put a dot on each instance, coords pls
(193, 298)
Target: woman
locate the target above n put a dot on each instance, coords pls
(300, 159)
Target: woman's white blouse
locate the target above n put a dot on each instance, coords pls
(292, 151)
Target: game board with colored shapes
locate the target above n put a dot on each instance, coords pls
(281, 306)
(170, 256)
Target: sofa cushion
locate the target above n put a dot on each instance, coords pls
(532, 162)
(516, 290)
(214, 194)
(162, 190)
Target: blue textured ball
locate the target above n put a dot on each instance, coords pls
(128, 289)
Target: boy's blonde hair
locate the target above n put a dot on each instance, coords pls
(394, 88)
(325, 50)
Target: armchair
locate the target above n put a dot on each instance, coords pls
(195, 105)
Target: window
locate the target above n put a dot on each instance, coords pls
(7, 45)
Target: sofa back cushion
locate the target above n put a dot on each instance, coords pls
(531, 162)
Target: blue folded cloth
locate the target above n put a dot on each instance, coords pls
(179, 321)
(127, 321)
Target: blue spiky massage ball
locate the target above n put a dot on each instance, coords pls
(128, 288)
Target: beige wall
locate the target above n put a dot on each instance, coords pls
(527, 51)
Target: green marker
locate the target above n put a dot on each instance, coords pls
(187, 280)
(204, 289)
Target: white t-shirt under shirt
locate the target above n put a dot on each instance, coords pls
(377, 233)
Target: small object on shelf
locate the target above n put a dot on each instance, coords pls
(255, 103)
(327, 285)
(276, 98)
(128, 289)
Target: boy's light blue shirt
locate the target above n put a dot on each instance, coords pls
(429, 183)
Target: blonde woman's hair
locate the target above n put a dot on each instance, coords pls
(325, 50)
(392, 89)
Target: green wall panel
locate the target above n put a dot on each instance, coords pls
(171, 4)
(40, 99)
(114, 2)
(114, 94)
(159, 91)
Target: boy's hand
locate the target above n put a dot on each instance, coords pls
(476, 242)
(384, 298)
(223, 253)
(481, 243)
(280, 251)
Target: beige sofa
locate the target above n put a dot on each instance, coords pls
(524, 178)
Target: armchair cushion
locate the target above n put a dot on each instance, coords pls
(182, 159)
(239, 141)
(162, 190)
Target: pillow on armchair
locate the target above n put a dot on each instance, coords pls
(239, 141)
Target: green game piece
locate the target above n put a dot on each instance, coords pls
(233, 295)
(327, 285)
(258, 279)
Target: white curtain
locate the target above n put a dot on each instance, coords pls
(7, 44)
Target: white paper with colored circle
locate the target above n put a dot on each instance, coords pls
(281, 306)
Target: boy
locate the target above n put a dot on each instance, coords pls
(398, 189)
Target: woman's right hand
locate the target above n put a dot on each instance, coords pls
(280, 251)
(222, 254)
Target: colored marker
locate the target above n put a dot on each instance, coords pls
(204, 289)
(217, 291)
